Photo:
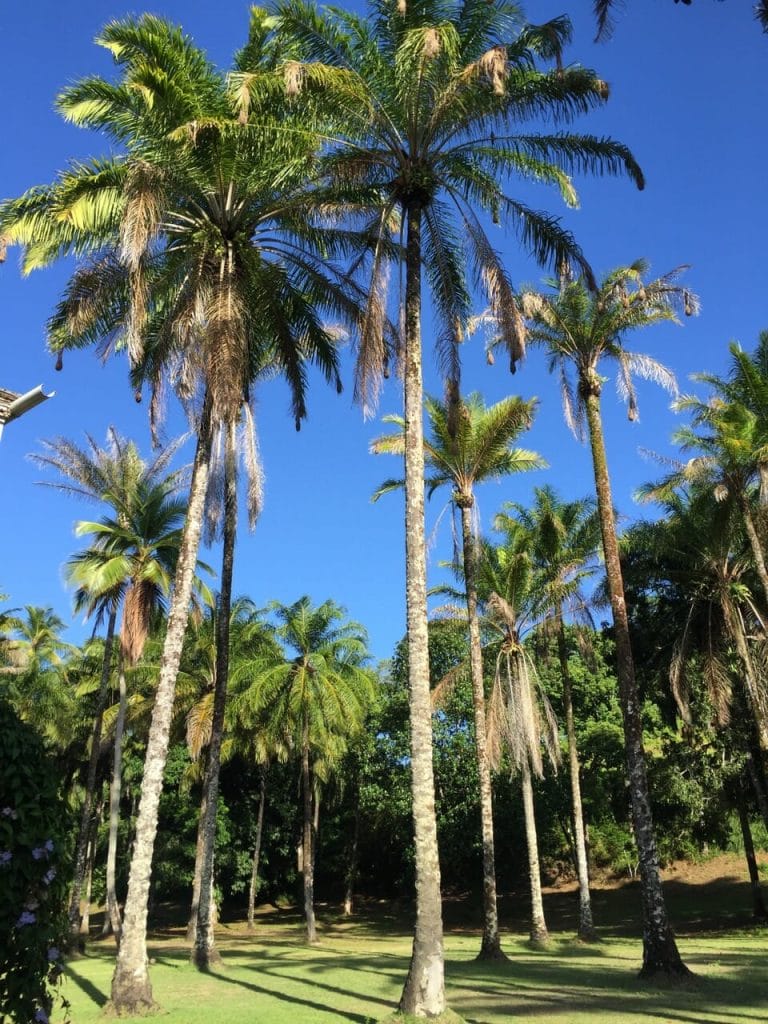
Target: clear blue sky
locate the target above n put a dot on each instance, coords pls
(689, 96)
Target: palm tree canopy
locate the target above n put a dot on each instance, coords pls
(580, 327)
(429, 106)
(479, 447)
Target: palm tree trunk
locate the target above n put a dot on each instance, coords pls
(86, 814)
(253, 888)
(85, 907)
(113, 908)
(204, 953)
(754, 770)
(131, 987)
(424, 991)
(307, 848)
(198, 870)
(754, 541)
(758, 906)
(490, 948)
(660, 954)
(586, 925)
(351, 873)
(539, 933)
(755, 697)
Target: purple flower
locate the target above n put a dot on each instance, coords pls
(49, 876)
(27, 917)
(54, 953)
(41, 1017)
(38, 853)
(48, 845)
(5, 857)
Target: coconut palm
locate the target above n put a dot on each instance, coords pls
(729, 430)
(430, 107)
(129, 565)
(199, 260)
(478, 449)
(314, 695)
(565, 537)
(520, 716)
(580, 329)
(113, 474)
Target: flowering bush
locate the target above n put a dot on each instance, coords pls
(33, 873)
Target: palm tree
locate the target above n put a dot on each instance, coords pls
(730, 432)
(478, 449)
(429, 107)
(579, 329)
(200, 259)
(520, 716)
(314, 695)
(129, 564)
(114, 475)
(565, 537)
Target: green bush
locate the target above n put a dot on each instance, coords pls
(33, 874)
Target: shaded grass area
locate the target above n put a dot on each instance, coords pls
(355, 974)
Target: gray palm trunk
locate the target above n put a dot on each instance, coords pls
(424, 991)
(197, 873)
(86, 814)
(113, 907)
(254, 885)
(661, 957)
(307, 845)
(754, 541)
(758, 905)
(586, 924)
(204, 953)
(131, 986)
(85, 905)
(539, 933)
(490, 948)
(352, 860)
(754, 770)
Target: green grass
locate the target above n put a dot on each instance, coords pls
(356, 972)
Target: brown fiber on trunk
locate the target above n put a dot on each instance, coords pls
(424, 991)
(661, 958)
(490, 948)
(131, 987)
(204, 952)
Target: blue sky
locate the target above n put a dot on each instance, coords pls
(689, 96)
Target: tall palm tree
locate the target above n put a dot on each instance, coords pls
(198, 259)
(565, 537)
(315, 695)
(580, 329)
(478, 449)
(114, 475)
(520, 716)
(430, 106)
(130, 565)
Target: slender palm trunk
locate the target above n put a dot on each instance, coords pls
(424, 991)
(539, 933)
(754, 770)
(131, 987)
(86, 814)
(754, 541)
(758, 905)
(253, 887)
(307, 846)
(755, 695)
(204, 953)
(490, 948)
(198, 870)
(85, 906)
(352, 859)
(586, 924)
(113, 908)
(660, 953)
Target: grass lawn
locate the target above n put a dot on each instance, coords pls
(357, 970)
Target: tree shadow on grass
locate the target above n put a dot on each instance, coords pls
(296, 1000)
(86, 986)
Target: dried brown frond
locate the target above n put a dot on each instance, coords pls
(432, 44)
(494, 723)
(505, 311)
(401, 7)
(443, 690)
(293, 76)
(254, 472)
(3, 248)
(493, 67)
(531, 304)
(137, 611)
(603, 89)
(226, 349)
(372, 352)
(199, 725)
(142, 214)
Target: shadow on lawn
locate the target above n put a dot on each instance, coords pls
(86, 986)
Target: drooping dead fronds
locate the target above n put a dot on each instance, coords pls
(226, 353)
(495, 719)
(493, 67)
(199, 726)
(137, 612)
(254, 472)
(432, 44)
(3, 248)
(294, 75)
(372, 352)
